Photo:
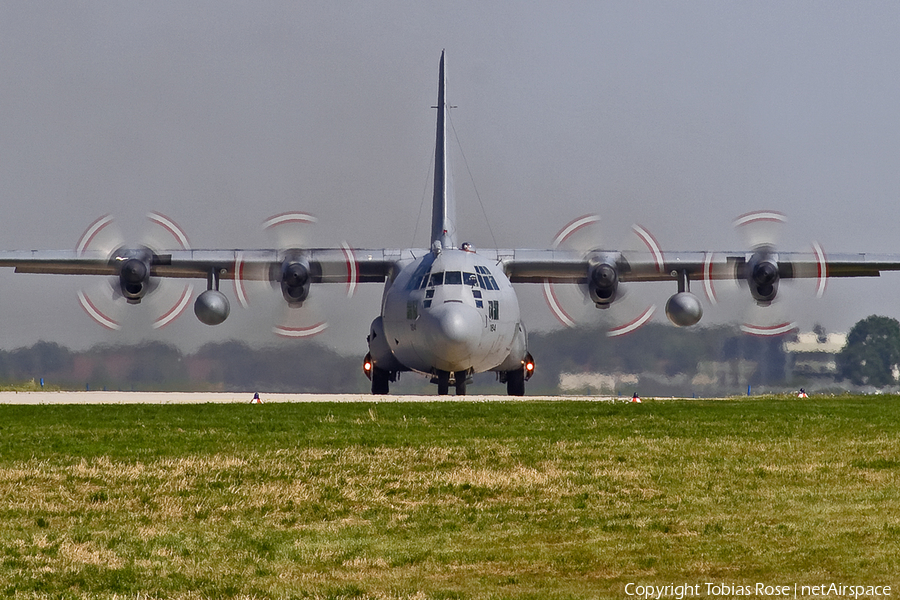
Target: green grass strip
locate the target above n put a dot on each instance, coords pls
(446, 500)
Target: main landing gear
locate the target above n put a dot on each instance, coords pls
(381, 379)
(515, 379)
(380, 382)
(515, 382)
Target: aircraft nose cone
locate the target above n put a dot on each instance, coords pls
(458, 323)
(454, 331)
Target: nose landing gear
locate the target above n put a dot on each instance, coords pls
(460, 381)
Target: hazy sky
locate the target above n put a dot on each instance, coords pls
(676, 115)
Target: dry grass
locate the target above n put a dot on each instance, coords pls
(513, 500)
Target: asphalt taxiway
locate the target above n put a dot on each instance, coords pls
(90, 397)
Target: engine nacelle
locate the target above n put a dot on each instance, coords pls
(134, 279)
(603, 283)
(762, 276)
(212, 307)
(380, 354)
(684, 309)
(295, 282)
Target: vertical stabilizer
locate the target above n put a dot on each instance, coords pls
(443, 215)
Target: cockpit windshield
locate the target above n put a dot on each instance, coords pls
(482, 279)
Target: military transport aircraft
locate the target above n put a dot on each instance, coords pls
(450, 310)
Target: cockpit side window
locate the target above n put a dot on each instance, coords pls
(486, 279)
(419, 278)
(416, 282)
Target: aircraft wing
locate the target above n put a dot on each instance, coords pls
(327, 265)
(345, 264)
(135, 270)
(561, 266)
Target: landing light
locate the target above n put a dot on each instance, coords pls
(367, 366)
(529, 366)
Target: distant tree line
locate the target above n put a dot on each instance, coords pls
(871, 358)
(155, 366)
(306, 366)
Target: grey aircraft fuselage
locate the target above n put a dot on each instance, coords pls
(453, 311)
(447, 312)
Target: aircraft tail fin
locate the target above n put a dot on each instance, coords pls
(443, 215)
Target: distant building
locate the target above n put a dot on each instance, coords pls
(813, 355)
(595, 383)
(724, 374)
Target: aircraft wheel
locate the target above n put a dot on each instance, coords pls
(380, 381)
(515, 382)
(443, 378)
(461, 383)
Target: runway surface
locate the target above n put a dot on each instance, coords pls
(246, 398)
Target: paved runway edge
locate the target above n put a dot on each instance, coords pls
(246, 398)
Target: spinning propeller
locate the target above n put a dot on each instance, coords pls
(761, 273)
(131, 268)
(577, 304)
(292, 275)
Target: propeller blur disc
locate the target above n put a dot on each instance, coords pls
(291, 232)
(572, 303)
(290, 229)
(97, 306)
(103, 300)
(101, 236)
(761, 232)
(299, 322)
(761, 228)
(182, 294)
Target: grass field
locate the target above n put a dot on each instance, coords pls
(450, 500)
